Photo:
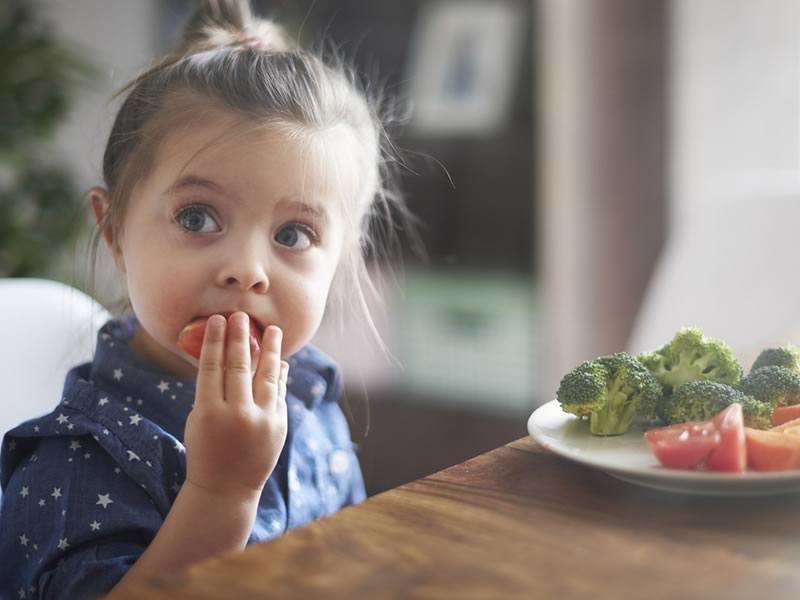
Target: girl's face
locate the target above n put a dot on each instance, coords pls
(250, 224)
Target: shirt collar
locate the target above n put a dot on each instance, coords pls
(140, 384)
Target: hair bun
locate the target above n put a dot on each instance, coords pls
(218, 23)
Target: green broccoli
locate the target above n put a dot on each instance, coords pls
(774, 385)
(610, 391)
(690, 356)
(701, 400)
(787, 357)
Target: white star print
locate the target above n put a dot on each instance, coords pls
(94, 525)
(62, 544)
(87, 455)
(24, 492)
(294, 482)
(135, 419)
(117, 470)
(70, 426)
(132, 455)
(105, 431)
(179, 447)
(103, 401)
(163, 386)
(105, 336)
(41, 502)
(75, 445)
(36, 428)
(104, 499)
(117, 374)
(21, 592)
(23, 539)
(128, 399)
(56, 493)
(62, 419)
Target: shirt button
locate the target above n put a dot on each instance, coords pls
(339, 462)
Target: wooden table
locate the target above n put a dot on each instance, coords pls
(519, 522)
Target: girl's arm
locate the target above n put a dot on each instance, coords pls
(234, 436)
(199, 525)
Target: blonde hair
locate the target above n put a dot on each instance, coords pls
(229, 59)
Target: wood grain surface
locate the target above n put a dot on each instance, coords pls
(519, 522)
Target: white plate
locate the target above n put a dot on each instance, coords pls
(627, 457)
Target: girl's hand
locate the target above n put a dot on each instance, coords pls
(237, 428)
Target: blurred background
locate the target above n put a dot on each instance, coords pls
(591, 175)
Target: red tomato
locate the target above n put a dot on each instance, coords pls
(784, 414)
(772, 450)
(731, 453)
(685, 445)
(190, 339)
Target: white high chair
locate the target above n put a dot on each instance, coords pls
(46, 328)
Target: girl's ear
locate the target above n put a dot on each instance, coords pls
(99, 199)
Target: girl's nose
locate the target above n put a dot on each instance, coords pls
(246, 282)
(244, 275)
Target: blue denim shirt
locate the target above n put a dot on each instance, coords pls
(86, 487)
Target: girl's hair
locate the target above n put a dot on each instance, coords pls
(230, 60)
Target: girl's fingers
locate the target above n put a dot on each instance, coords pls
(266, 383)
(210, 376)
(282, 381)
(238, 376)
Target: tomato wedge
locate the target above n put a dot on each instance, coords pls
(191, 337)
(684, 445)
(784, 414)
(772, 450)
(731, 453)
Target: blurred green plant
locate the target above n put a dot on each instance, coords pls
(40, 204)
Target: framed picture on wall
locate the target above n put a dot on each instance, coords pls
(463, 64)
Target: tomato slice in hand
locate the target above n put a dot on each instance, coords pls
(731, 453)
(684, 445)
(191, 337)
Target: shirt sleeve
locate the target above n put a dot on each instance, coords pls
(72, 522)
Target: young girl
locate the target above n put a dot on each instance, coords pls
(239, 177)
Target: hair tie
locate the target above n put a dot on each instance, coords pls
(251, 41)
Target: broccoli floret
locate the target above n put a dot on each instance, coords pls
(776, 386)
(757, 415)
(701, 400)
(787, 357)
(610, 390)
(690, 356)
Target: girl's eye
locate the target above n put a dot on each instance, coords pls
(195, 218)
(295, 236)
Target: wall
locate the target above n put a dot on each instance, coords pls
(119, 37)
(602, 178)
